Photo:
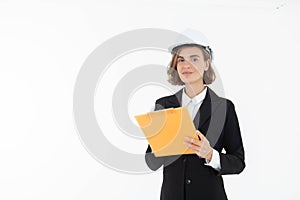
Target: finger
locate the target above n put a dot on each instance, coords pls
(189, 144)
(194, 141)
(192, 147)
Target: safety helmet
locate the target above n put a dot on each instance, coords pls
(190, 36)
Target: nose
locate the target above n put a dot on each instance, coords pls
(186, 64)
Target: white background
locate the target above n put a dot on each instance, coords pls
(43, 45)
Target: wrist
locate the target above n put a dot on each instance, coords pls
(209, 155)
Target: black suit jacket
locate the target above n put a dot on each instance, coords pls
(185, 177)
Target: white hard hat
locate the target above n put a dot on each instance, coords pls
(190, 36)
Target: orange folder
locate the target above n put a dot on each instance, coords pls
(165, 130)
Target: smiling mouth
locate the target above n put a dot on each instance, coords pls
(186, 73)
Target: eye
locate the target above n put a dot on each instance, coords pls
(180, 60)
(195, 59)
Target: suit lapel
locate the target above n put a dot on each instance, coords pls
(204, 112)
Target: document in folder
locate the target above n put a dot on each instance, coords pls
(165, 130)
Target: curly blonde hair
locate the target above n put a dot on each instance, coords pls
(173, 77)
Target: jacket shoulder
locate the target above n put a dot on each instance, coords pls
(160, 103)
(220, 101)
(163, 99)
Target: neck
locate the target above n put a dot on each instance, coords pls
(193, 90)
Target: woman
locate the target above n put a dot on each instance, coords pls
(198, 176)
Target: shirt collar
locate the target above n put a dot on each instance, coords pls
(195, 100)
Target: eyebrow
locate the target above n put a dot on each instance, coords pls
(190, 56)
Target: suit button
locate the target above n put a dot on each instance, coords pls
(184, 160)
(188, 181)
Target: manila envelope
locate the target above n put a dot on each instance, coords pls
(165, 130)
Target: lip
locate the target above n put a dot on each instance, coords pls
(186, 73)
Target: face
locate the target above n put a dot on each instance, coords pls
(191, 65)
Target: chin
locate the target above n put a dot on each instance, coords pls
(191, 81)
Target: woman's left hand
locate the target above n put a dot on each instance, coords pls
(201, 147)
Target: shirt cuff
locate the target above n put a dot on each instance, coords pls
(215, 161)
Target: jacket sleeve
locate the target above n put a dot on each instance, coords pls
(152, 161)
(233, 161)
